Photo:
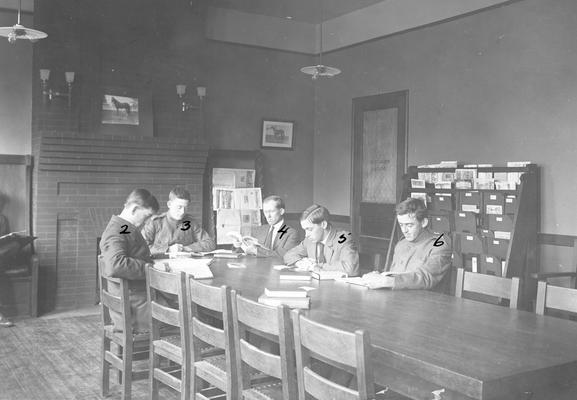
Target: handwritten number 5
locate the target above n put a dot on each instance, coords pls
(438, 241)
(186, 226)
(124, 229)
(342, 238)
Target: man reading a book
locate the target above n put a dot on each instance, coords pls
(324, 248)
(175, 230)
(421, 260)
(274, 239)
(126, 254)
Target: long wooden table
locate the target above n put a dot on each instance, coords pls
(425, 341)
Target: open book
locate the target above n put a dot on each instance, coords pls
(245, 240)
(198, 268)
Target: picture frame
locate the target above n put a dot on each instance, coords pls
(277, 134)
(125, 111)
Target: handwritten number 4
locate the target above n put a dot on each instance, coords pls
(282, 231)
(438, 241)
(186, 226)
(124, 229)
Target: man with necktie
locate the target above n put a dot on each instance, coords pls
(324, 247)
(275, 238)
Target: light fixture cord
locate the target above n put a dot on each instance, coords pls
(19, 9)
(321, 49)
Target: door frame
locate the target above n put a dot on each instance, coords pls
(359, 105)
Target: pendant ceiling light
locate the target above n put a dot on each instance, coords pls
(321, 70)
(20, 32)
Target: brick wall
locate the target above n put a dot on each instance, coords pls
(79, 182)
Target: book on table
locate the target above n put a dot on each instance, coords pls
(328, 275)
(284, 293)
(295, 276)
(292, 302)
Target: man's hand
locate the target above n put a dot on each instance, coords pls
(175, 248)
(249, 250)
(236, 243)
(160, 266)
(374, 280)
(306, 264)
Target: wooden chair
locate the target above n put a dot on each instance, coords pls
(555, 297)
(204, 301)
(250, 317)
(351, 350)
(19, 276)
(490, 285)
(174, 348)
(131, 346)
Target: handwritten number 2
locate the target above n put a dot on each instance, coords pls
(438, 241)
(124, 229)
(282, 231)
(186, 226)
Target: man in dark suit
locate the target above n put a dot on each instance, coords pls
(324, 248)
(275, 238)
(126, 254)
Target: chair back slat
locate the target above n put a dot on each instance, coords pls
(163, 281)
(208, 333)
(324, 389)
(206, 296)
(261, 360)
(490, 285)
(256, 315)
(112, 302)
(328, 342)
(165, 314)
(555, 297)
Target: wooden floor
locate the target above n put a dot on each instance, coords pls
(57, 359)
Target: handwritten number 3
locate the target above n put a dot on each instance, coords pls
(186, 226)
(438, 241)
(124, 229)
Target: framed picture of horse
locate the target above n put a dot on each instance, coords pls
(277, 134)
(125, 111)
(120, 110)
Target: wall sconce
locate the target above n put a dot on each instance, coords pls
(181, 92)
(49, 93)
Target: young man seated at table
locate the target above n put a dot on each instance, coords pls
(276, 237)
(126, 254)
(421, 260)
(175, 230)
(324, 248)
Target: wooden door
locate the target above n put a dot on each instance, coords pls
(379, 162)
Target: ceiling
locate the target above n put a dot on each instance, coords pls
(298, 10)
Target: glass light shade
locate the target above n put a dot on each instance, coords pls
(180, 90)
(44, 74)
(201, 91)
(69, 77)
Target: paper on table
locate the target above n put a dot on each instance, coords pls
(197, 267)
(281, 267)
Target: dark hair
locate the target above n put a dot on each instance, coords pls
(179, 193)
(142, 198)
(316, 214)
(412, 206)
(277, 199)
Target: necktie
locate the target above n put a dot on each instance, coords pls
(268, 240)
(320, 256)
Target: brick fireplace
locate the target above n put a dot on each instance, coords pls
(79, 182)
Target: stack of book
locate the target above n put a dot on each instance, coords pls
(290, 298)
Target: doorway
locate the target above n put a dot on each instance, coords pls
(379, 162)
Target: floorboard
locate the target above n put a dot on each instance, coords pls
(57, 358)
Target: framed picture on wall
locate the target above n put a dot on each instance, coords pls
(125, 111)
(277, 134)
(120, 110)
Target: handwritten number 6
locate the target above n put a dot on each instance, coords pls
(124, 229)
(438, 241)
(186, 226)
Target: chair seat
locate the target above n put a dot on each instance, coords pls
(213, 370)
(116, 336)
(266, 391)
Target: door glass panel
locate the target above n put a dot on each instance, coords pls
(379, 162)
